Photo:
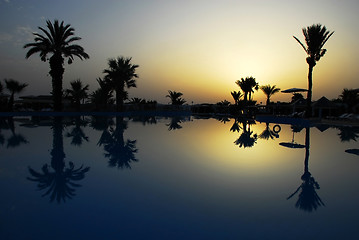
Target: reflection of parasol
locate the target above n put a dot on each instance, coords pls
(294, 90)
(353, 151)
(291, 145)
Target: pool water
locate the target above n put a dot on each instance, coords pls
(180, 177)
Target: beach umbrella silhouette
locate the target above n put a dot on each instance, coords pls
(294, 90)
(293, 144)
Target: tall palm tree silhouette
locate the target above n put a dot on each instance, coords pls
(120, 74)
(308, 199)
(120, 153)
(14, 87)
(60, 184)
(57, 40)
(315, 36)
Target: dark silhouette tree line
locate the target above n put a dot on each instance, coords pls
(57, 40)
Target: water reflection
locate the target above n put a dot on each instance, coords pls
(293, 143)
(246, 139)
(268, 133)
(16, 139)
(77, 133)
(120, 153)
(308, 199)
(348, 133)
(175, 123)
(59, 184)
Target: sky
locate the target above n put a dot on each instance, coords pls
(198, 47)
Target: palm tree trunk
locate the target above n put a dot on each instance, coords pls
(119, 98)
(56, 72)
(308, 112)
(57, 152)
(11, 102)
(307, 146)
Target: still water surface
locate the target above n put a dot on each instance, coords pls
(176, 178)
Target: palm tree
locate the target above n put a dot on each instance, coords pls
(175, 97)
(102, 97)
(78, 92)
(269, 91)
(120, 74)
(236, 96)
(14, 87)
(247, 85)
(57, 40)
(350, 97)
(296, 97)
(315, 36)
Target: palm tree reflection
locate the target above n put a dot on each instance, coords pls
(120, 153)
(308, 199)
(77, 134)
(348, 133)
(175, 123)
(16, 139)
(268, 133)
(59, 184)
(246, 139)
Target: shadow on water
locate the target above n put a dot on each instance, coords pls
(57, 180)
(121, 153)
(308, 199)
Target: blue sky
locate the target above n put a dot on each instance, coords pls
(197, 47)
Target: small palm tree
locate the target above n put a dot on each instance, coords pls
(236, 97)
(103, 95)
(269, 91)
(14, 87)
(315, 36)
(296, 97)
(57, 40)
(175, 97)
(350, 97)
(120, 74)
(77, 93)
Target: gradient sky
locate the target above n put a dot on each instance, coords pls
(198, 47)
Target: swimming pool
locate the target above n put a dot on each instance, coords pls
(180, 177)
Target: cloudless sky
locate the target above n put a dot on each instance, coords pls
(198, 47)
